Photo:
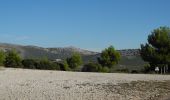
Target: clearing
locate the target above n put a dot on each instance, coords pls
(25, 84)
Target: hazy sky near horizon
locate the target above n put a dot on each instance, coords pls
(87, 24)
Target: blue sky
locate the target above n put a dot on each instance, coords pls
(87, 24)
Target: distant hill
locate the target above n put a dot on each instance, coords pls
(39, 52)
(130, 57)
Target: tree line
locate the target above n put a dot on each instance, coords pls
(109, 57)
(156, 52)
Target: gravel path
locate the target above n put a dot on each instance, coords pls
(24, 84)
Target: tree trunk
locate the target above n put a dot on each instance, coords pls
(161, 70)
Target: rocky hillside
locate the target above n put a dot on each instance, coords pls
(35, 51)
(130, 57)
(129, 52)
(38, 52)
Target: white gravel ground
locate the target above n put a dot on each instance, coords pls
(24, 84)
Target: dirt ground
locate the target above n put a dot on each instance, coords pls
(25, 84)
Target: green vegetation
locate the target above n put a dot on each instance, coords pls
(105, 70)
(12, 59)
(46, 64)
(92, 67)
(40, 64)
(157, 50)
(2, 58)
(29, 63)
(64, 66)
(155, 53)
(129, 63)
(148, 69)
(109, 57)
(74, 61)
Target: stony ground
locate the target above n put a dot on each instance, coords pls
(24, 84)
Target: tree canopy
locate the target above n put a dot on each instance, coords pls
(109, 57)
(74, 61)
(157, 50)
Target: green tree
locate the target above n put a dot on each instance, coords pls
(46, 64)
(2, 57)
(157, 50)
(74, 61)
(12, 59)
(109, 57)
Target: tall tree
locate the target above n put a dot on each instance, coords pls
(74, 61)
(157, 50)
(109, 57)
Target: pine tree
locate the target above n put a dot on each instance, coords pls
(157, 50)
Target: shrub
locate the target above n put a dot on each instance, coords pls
(91, 67)
(2, 57)
(40, 64)
(43, 64)
(105, 70)
(147, 68)
(29, 63)
(56, 66)
(134, 71)
(46, 64)
(64, 67)
(12, 59)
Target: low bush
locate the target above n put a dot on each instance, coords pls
(147, 68)
(46, 64)
(29, 63)
(64, 68)
(40, 64)
(105, 70)
(134, 71)
(92, 67)
(56, 66)
(2, 57)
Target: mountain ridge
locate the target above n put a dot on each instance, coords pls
(123, 52)
(130, 58)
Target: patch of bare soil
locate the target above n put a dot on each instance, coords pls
(135, 90)
(24, 84)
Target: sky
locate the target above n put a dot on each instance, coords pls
(87, 24)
